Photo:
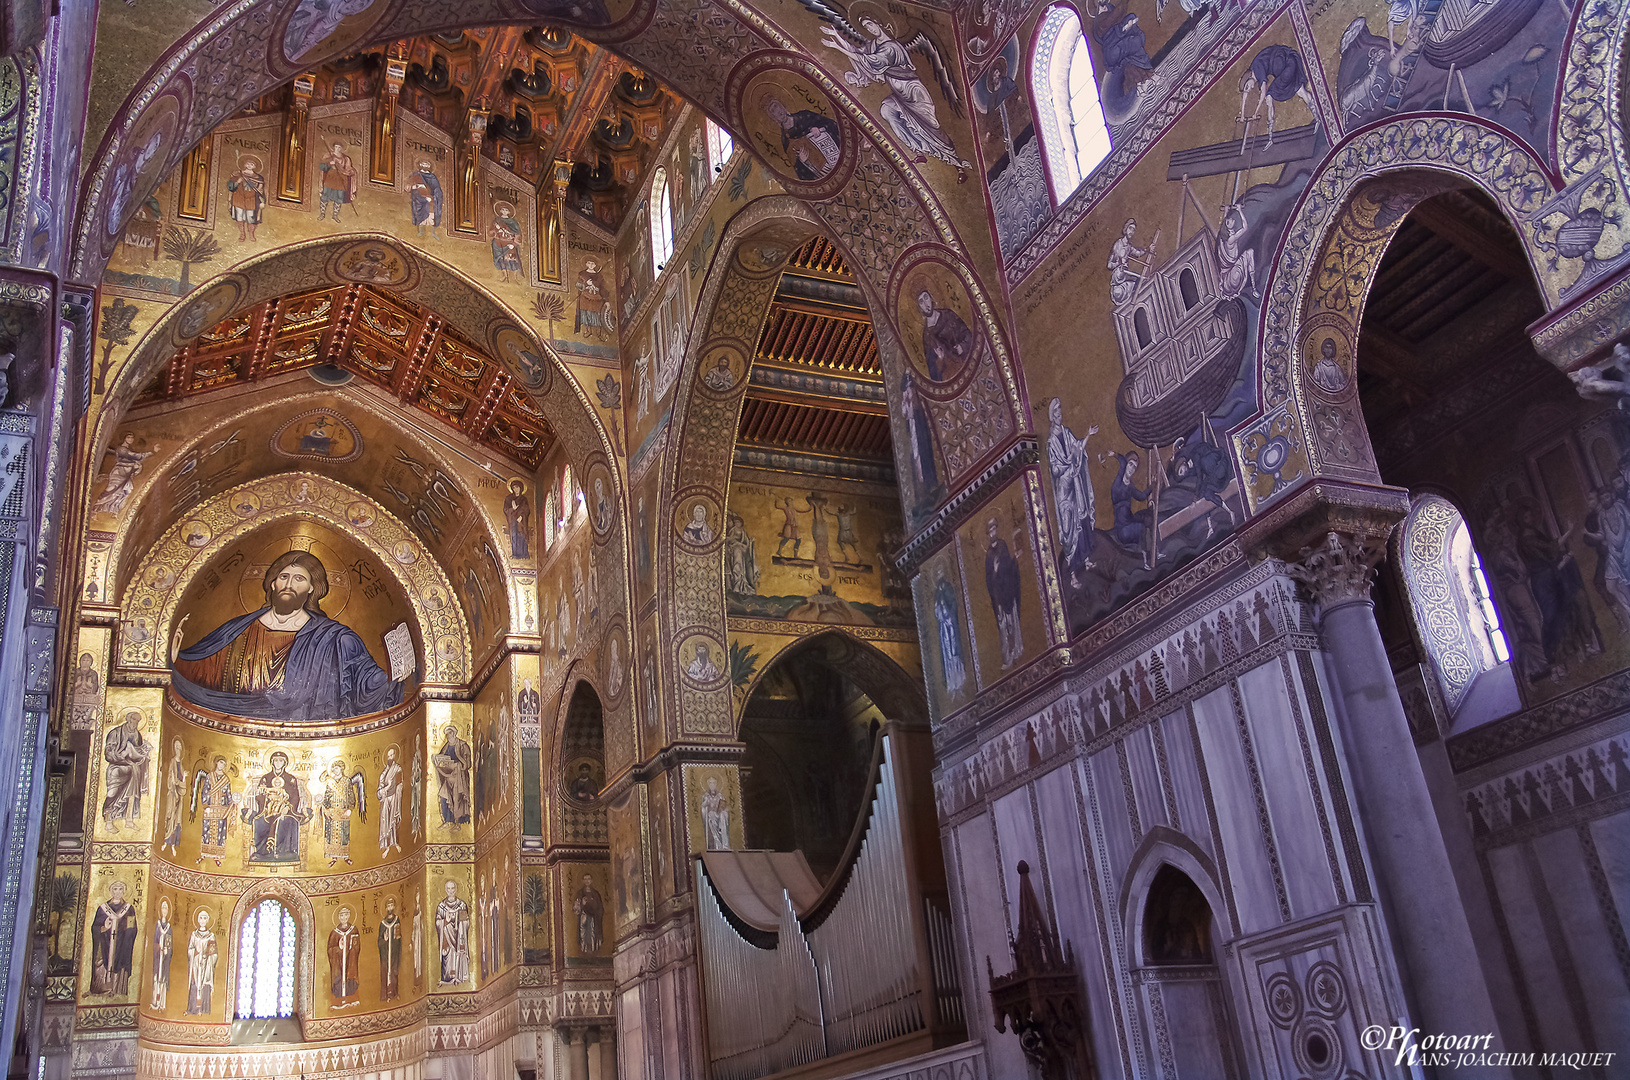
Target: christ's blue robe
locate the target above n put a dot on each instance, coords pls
(329, 675)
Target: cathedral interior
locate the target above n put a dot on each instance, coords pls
(412, 417)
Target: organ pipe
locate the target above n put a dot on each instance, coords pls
(868, 962)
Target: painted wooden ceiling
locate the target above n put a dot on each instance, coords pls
(535, 95)
(817, 383)
(374, 334)
(1453, 294)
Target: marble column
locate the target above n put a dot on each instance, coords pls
(608, 1054)
(577, 1053)
(1436, 954)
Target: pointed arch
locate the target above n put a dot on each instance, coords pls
(1322, 274)
(286, 892)
(466, 306)
(577, 772)
(1163, 846)
(873, 671)
(229, 60)
(128, 542)
(732, 305)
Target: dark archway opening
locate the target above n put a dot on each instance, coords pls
(1458, 403)
(809, 731)
(1176, 920)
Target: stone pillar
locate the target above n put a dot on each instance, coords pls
(577, 1053)
(608, 1054)
(1436, 953)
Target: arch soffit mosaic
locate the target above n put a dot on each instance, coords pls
(1591, 124)
(204, 81)
(122, 559)
(465, 305)
(1339, 231)
(247, 29)
(446, 662)
(731, 307)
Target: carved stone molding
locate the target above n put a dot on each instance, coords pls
(380, 1055)
(1341, 570)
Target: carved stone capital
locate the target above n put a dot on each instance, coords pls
(1340, 570)
(1301, 522)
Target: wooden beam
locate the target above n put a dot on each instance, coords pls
(583, 109)
(1449, 226)
(423, 343)
(820, 310)
(1384, 353)
(492, 68)
(821, 402)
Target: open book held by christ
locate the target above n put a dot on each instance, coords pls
(399, 646)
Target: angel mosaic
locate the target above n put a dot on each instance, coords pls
(876, 55)
(342, 797)
(212, 790)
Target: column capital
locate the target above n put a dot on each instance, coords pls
(1340, 569)
(1301, 524)
(1331, 535)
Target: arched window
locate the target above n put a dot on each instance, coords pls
(719, 147)
(1474, 584)
(267, 940)
(662, 221)
(551, 517)
(567, 488)
(1455, 621)
(1074, 134)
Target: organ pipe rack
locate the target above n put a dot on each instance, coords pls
(862, 969)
